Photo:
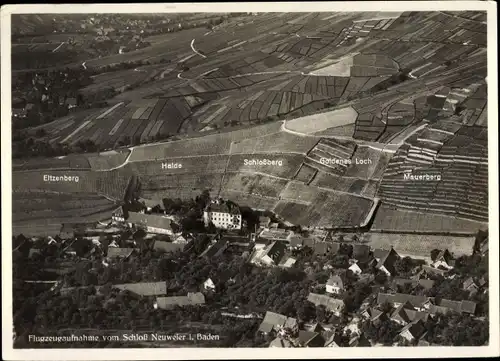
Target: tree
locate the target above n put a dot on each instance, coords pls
(434, 254)
(403, 266)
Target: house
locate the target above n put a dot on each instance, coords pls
(71, 103)
(275, 322)
(223, 214)
(359, 341)
(290, 261)
(296, 241)
(406, 313)
(310, 339)
(321, 248)
(119, 252)
(445, 306)
(192, 299)
(373, 314)
(280, 342)
(113, 244)
(355, 268)
(273, 253)
(19, 112)
(426, 283)
(433, 271)
(336, 306)
(314, 327)
(361, 252)
(149, 204)
(264, 221)
(397, 299)
(386, 260)
(118, 215)
(483, 248)
(334, 284)
(413, 331)
(215, 249)
(444, 260)
(334, 247)
(277, 234)
(470, 286)
(153, 223)
(180, 239)
(34, 252)
(144, 288)
(334, 340)
(209, 285)
(168, 247)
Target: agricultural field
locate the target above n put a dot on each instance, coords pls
(319, 122)
(419, 246)
(391, 219)
(392, 93)
(37, 213)
(458, 161)
(312, 207)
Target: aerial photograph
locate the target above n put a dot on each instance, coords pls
(250, 179)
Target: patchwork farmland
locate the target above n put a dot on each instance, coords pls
(342, 105)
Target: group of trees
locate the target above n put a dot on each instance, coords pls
(24, 146)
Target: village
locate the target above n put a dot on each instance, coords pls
(356, 295)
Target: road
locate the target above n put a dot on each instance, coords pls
(196, 51)
(56, 49)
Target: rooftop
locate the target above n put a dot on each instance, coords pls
(190, 300)
(168, 246)
(119, 252)
(332, 304)
(222, 206)
(150, 220)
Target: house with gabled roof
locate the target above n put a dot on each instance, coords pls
(433, 271)
(153, 223)
(397, 299)
(334, 284)
(192, 299)
(275, 322)
(144, 288)
(406, 313)
(310, 339)
(273, 253)
(386, 261)
(359, 341)
(334, 305)
(445, 306)
(413, 331)
(334, 340)
(280, 342)
(470, 286)
(119, 252)
(444, 260)
(373, 314)
(361, 252)
(264, 221)
(321, 248)
(168, 247)
(215, 249)
(209, 285)
(355, 268)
